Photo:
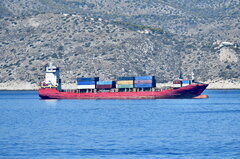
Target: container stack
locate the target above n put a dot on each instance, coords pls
(177, 83)
(105, 84)
(145, 82)
(125, 82)
(87, 83)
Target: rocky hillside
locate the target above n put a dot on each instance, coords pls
(119, 38)
(173, 15)
(82, 47)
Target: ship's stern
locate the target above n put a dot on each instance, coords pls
(47, 93)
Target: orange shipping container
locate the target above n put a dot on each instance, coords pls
(125, 82)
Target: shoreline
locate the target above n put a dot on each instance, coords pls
(37, 89)
(23, 86)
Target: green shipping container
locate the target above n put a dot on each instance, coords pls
(124, 85)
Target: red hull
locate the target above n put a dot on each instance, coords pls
(189, 91)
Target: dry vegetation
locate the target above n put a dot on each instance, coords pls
(119, 38)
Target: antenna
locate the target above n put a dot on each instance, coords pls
(180, 69)
(193, 75)
(50, 65)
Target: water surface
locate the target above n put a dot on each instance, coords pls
(120, 129)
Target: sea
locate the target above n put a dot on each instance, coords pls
(31, 128)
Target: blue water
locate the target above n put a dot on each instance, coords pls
(120, 129)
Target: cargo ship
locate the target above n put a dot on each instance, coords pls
(141, 87)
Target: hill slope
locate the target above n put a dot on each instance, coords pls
(94, 47)
(112, 38)
(173, 15)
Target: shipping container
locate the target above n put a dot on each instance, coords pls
(88, 79)
(125, 78)
(185, 82)
(125, 82)
(104, 86)
(145, 78)
(124, 85)
(177, 82)
(143, 85)
(86, 86)
(143, 81)
(86, 83)
(104, 82)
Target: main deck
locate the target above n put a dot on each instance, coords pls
(189, 91)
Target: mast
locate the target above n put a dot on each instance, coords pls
(193, 78)
(180, 75)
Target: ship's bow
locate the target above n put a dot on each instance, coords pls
(190, 91)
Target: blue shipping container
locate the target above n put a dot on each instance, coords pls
(104, 82)
(125, 86)
(185, 82)
(125, 78)
(86, 82)
(143, 85)
(145, 78)
(88, 79)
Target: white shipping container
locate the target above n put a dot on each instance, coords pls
(176, 85)
(86, 86)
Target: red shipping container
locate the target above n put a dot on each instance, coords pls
(104, 86)
(177, 82)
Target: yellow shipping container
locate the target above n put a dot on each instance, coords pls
(125, 82)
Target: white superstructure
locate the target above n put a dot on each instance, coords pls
(52, 77)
